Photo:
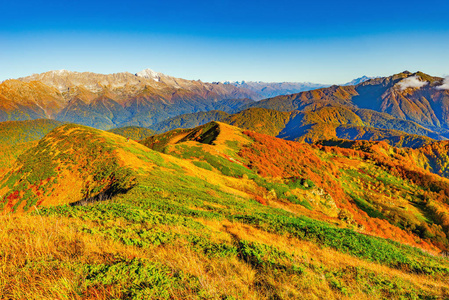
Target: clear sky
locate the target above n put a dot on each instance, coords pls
(215, 40)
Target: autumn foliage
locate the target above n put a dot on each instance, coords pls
(326, 167)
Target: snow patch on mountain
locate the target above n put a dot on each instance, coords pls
(149, 74)
(359, 80)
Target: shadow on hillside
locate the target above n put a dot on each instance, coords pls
(103, 196)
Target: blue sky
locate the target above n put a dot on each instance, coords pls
(316, 41)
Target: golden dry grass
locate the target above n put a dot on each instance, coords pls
(40, 259)
(320, 257)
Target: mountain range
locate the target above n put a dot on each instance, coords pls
(404, 109)
(273, 89)
(125, 99)
(115, 100)
(416, 97)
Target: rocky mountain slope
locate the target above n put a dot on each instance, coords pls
(114, 100)
(416, 97)
(125, 99)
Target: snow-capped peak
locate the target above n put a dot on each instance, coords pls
(359, 80)
(60, 72)
(150, 74)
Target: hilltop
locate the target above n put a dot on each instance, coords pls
(69, 164)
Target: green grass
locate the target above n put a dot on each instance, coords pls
(181, 205)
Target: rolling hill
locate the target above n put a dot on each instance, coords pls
(18, 136)
(221, 212)
(305, 163)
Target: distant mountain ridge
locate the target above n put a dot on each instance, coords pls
(113, 100)
(108, 101)
(388, 108)
(273, 89)
(416, 97)
(359, 80)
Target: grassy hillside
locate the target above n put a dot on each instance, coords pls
(70, 163)
(132, 132)
(18, 136)
(222, 213)
(17, 132)
(315, 169)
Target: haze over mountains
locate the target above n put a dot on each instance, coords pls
(273, 89)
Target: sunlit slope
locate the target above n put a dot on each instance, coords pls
(113, 100)
(18, 136)
(70, 163)
(356, 124)
(432, 157)
(426, 104)
(373, 189)
(76, 163)
(222, 213)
